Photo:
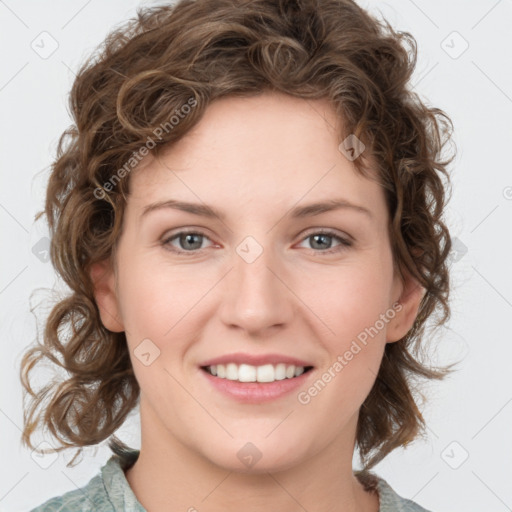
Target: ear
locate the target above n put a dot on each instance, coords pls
(408, 293)
(103, 278)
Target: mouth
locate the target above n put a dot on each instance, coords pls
(246, 373)
(256, 378)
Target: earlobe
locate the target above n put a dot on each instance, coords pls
(103, 279)
(410, 299)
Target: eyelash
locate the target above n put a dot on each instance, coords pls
(344, 244)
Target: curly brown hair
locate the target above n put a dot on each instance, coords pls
(191, 53)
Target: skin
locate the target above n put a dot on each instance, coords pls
(254, 159)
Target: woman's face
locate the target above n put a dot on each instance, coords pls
(261, 281)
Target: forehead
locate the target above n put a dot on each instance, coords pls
(267, 149)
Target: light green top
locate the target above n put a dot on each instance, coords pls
(109, 491)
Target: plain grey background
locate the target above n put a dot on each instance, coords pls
(464, 68)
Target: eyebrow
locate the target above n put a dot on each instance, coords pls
(298, 212)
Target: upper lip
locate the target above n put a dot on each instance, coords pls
(255, 360)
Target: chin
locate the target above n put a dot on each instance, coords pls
(260, 456)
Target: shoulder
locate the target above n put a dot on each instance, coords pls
(390, 501)
(90, 497)
(108, 491)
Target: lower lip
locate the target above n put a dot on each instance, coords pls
(256, 392)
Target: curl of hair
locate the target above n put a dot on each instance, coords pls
(193, 52)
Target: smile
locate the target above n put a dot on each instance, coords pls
(250, 373)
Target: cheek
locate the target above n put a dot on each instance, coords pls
(356, 313)
(350, 300)
(155, 299)
(156, 308)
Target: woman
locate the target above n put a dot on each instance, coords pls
(248, 212)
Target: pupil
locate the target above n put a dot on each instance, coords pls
(189, 238)
(316, 237)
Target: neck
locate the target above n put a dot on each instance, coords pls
(170, 472)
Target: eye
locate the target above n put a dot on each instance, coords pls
(189, 241)
(320, 240)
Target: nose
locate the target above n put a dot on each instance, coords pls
(256, 297)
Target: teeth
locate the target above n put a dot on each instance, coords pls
(265, 373)
(249, 373)
(231, 372)
(245, 373)
(280, 371)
